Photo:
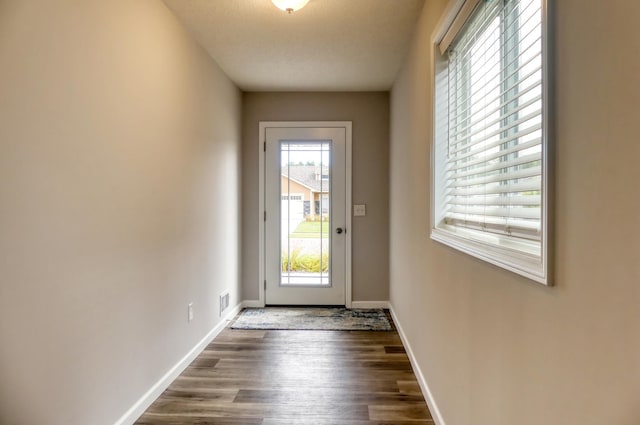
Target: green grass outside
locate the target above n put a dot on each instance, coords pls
(310, 229)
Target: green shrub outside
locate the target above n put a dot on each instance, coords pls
(309, 263)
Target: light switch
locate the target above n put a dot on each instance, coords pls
(359, 210)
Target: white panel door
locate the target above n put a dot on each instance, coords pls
(305, 224)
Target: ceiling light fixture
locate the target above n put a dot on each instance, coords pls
(290, 6)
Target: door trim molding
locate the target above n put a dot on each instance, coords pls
(347, 125)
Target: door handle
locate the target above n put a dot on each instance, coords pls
(339, 230)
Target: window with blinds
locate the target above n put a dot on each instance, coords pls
(490, 134)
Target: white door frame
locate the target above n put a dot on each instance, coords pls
(347, 125)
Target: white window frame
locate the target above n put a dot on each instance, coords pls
(498, 250)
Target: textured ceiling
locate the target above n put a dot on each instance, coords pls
(329, 45)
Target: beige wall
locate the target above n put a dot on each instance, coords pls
(498, 349)
(370, 115)
(119, 194)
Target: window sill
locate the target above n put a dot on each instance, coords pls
(520, 258)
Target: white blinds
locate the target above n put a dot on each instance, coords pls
(493, 172)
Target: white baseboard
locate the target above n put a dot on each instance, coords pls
(369, 304)
(252, 304)
(354, 304)
(163, 383)
(426, 392)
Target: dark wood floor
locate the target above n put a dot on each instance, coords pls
(295, 378)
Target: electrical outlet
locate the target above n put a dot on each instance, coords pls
(224, 301)
(190, 312)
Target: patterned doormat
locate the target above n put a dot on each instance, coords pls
(298, 318)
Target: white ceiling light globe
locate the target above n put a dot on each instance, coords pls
(290, 6)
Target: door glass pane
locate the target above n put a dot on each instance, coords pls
(304, 213)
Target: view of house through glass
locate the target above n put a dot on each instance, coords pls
(305, 213)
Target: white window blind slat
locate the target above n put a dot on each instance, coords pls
(529, 185)
(524, 58)
(516, 200)
(465, 151)
(496, 47)
(525, 53)
(485, 179)
(503, 165)
(490, 112)
(481, 139)
(523, 10)
(505, 212)
(473, 159)
(476, 27)
(493, 172)
(461, 115)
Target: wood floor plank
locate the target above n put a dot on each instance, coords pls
(251, 377)
(313, 396)
(343, 422)
(167, 419)
(369, 384)
(208, 408)
(216, 393)
(396, 412)
(409, 387)
(389, 349)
